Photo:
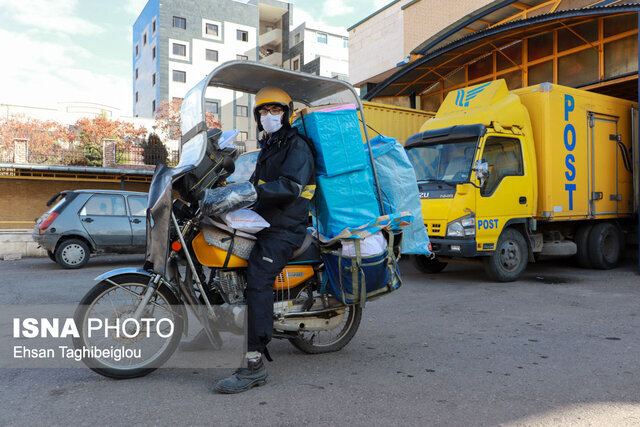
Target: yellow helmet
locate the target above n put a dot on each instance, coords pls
(272, 95)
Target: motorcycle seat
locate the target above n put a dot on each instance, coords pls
(307, 252)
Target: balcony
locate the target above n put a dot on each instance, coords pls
(273, 59)
(271, 38)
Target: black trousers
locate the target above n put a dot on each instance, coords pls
(269, 256)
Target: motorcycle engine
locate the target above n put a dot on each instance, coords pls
(231, 285)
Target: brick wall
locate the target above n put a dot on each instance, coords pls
(24, 200)
(425, 18)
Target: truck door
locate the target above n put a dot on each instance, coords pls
(603, 197)
(507, 193)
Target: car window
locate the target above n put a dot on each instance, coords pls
(104, 204)
(137, 205)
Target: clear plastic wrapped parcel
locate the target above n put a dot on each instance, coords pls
(218, 201)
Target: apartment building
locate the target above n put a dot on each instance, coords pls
(176, 43)
(318, 51)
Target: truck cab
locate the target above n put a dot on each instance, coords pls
(476, 169)
(497, 188)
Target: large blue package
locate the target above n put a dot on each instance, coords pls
(337, 139)
(346, 200)
(397, 180)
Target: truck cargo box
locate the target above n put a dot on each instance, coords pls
(583, 148)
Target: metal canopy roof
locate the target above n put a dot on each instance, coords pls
(440, 60)
(250, 77)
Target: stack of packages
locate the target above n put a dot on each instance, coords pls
(345, 188)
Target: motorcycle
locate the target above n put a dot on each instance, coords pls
(196, 261)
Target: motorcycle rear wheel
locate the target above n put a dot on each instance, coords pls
(318, 342)
(116, 303)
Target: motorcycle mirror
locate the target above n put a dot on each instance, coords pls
(228, 164)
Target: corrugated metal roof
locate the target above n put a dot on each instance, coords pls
(467, 44)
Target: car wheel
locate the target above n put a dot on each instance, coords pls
(510, 258)
(72, 253)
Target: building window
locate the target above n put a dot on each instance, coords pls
(242, 57)
(144, 39)
(153, 27)
(179, 22)
(136, 74)
(211, 55)
(179, 49)
(322, 38)
(297, 38)
(137, 96)
(242, 35)
(211, 107)
(179, 76)
(153, 107)
(345, 42)
(153, 79)
(211, 30)
(242, 136)
(242, 111)
(296, 64)
(137, 50)
(154, 52)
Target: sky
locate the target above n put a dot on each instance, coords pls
(80, 50)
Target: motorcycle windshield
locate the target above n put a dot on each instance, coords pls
(161, 200)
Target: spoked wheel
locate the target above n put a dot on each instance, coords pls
(129, 348)
(316, 342)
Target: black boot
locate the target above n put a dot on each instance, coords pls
(255, 374)
(201, 342)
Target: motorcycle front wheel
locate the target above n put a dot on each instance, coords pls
(317, 342)
(112, 342)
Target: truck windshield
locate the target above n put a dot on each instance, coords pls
(448, 162)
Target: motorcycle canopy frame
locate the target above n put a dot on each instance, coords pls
(249, 77)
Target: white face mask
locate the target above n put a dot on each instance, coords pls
(271, 123)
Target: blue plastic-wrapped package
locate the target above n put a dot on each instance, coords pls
(346, 200)
(336, 136)
(400, 191)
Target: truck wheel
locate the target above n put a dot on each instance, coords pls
(604, 245)
(425, 265)
(581, 240)
(510, 259)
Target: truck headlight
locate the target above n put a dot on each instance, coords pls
(455, 229)
(461, 227)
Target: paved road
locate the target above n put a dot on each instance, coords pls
(559, 347)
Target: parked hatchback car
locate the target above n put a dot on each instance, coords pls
(82, 222)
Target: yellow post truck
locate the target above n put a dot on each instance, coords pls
(505, 176)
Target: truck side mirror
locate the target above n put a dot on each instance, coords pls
(482, 171)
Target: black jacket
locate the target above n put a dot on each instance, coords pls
(285, 181)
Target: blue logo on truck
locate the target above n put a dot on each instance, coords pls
(462, 99)
(569, 144)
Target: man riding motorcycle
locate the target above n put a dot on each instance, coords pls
(284, 179)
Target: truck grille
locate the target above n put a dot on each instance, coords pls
(433, 228)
